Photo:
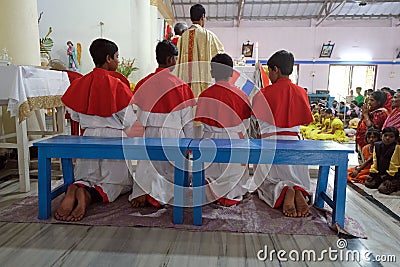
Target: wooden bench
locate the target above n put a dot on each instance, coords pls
(87, 147)
(256, 151)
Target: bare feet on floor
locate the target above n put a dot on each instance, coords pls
(139, 201)
(302, 208)
(84, 200)
(289, 207)
(67, 205)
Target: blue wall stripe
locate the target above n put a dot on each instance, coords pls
(337, 62)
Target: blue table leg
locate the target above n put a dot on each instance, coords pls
(198, 190)
(322, 184)
(68, 171)
(44, 185)
(339, 193)
(186, 181)
(179, 178)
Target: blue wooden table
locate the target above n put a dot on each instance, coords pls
(86, 147)
(258, 151)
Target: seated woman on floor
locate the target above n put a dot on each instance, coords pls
(359, 173)
(306, 129)
(336, 130)
(322, 126)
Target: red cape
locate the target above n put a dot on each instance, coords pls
(162, 92)
(223, 105)
(97, 93)
(282, 104)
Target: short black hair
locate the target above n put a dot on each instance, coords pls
(100, 49)
(164, 50)
(328, 111)
(391, 129)
(180, 27)
(196, 12)
(221, 66)
(283, 60)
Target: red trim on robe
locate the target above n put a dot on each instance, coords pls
(162, 92)
(152, 201)
(281, 197)
(98, 93)
(190, 54)
(265, 135)
(223, 105)
(227, 202)
(282, 104)
(102, 194)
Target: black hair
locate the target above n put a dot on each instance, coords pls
(221, 66)
(283, 60)
(69, 42)
(196, 12)
(164, 50)
(100, 49)
(380, 97)
(391, 129)
(353, 114)
(180, 27)
(372, 131)
(328, 111)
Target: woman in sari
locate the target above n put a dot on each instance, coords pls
(394, 117)
(374, 115)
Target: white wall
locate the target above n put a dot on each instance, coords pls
(79, 21)
(354, 41)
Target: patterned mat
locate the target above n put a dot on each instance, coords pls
(250, 216)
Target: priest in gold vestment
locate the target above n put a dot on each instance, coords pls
(197, 47)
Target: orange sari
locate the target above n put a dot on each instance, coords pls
(363, 174)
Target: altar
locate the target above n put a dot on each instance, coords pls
(25, 90)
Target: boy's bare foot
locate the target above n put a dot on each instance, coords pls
(139, 201)
(67, 205)
(84, 199)
(303, 210)
(289, 208)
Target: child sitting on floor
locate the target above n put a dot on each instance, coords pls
(384, 173)
(360, 173)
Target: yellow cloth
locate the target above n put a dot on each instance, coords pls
(197, 45)
(394, 162)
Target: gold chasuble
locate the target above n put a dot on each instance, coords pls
(197, 47)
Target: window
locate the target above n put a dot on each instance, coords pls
(343, 78)
(294, 77)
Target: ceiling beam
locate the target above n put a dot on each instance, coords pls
(267, 2)
(329, 11)
(240, 11)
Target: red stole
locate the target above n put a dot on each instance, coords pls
(97, 93)
(162, 92)
(282, 104)
(223, 105)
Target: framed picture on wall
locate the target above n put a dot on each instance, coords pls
(247, 49)
(326, 50)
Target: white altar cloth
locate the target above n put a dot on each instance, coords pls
(24, 90)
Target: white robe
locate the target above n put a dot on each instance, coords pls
(112, 176)
(156, 178)
(227, 180)
(272, 179)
